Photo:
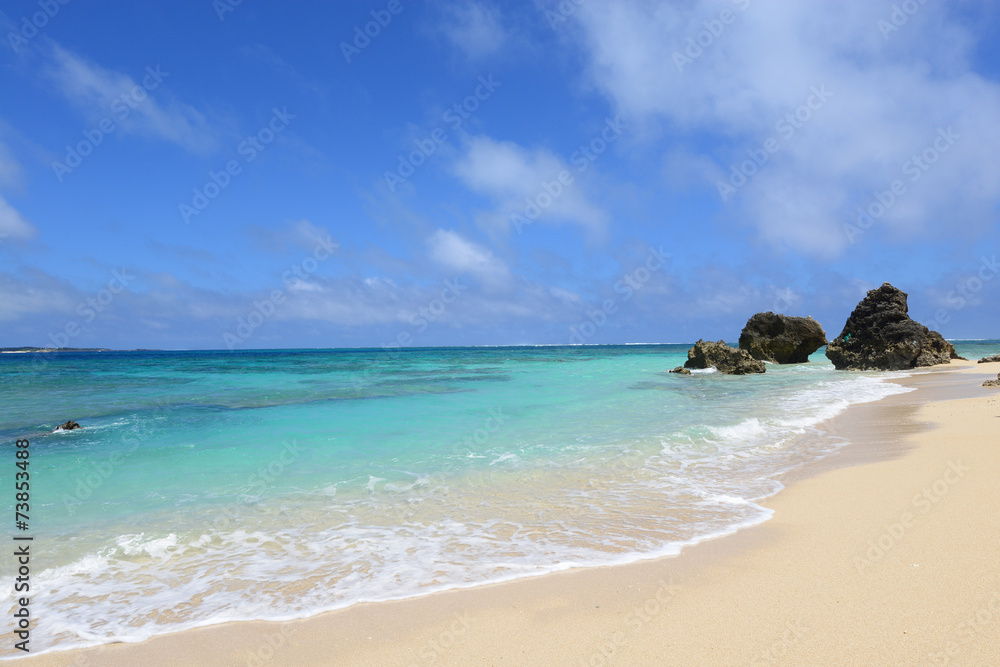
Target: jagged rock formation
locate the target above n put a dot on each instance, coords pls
(879, 335)
(990, 359)
(725, 359)
(68, 426)
(782, 339)
(993, 383)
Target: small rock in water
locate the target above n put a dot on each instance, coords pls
(726, 359)
(993, 383)
(68, 426)
(681, 370)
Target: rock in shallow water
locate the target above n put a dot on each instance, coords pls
(782, 339)
(728, 360)
(879, 335)
(993, 383)
(681, 370)
(68, 426)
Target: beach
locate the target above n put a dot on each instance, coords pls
(617, 332)
(882, 553)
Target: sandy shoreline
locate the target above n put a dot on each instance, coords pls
(896, 561)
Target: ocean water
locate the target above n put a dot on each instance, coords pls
(208, 487)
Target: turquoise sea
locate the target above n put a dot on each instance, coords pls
(207, 487)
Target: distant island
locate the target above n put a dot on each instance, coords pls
(11, 350)
(17, 350)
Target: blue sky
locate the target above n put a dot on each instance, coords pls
(259, 175)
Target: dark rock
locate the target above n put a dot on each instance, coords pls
(728, 360)
(782, 339)
(990, 359)
(681, 370)
(68, 426)
(993, 383)
(879, 335)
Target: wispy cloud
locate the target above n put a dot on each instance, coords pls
(101, 93)
(10, 169)
(268, 56)
(12, 223)
(297, 235)
(34, 294)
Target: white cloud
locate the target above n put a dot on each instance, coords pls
(516, 177)
(889, 97)
(475, 28)
(95, 90)
(298, 285)
(41, 293)
(308, 235)
(297, 235)
(12, 225)
(10, 170)
(458, 254)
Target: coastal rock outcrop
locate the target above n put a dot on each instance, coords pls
(726, 359)
(68, 426)
(993, 383)
(990, 359)
(782, 339)
(879, 335)
(681, 370)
